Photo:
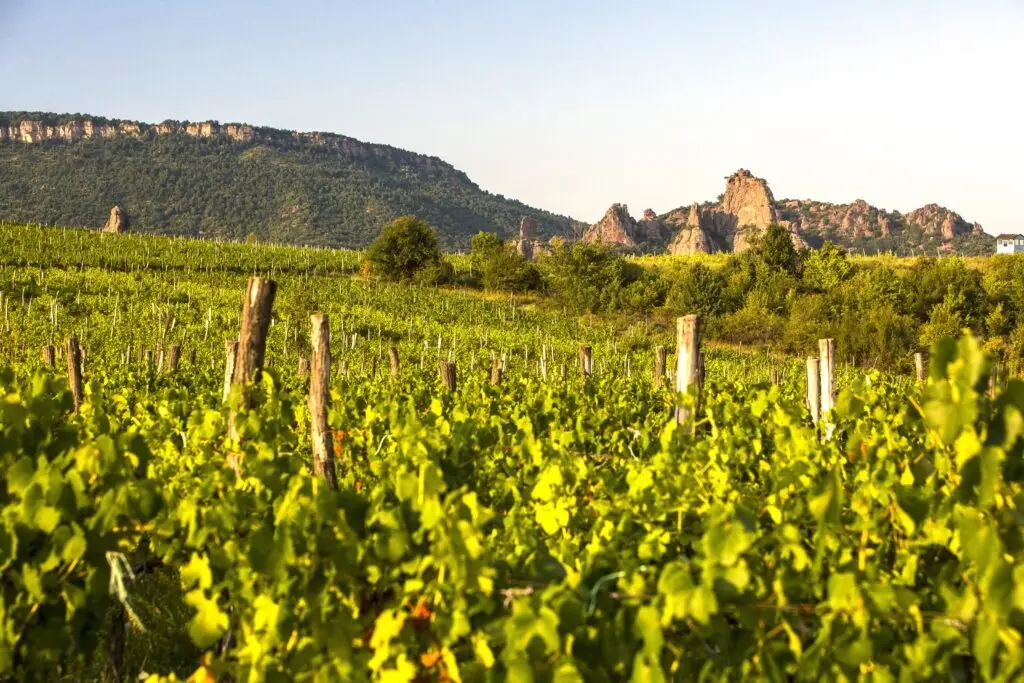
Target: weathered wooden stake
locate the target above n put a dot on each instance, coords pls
(173, 356)
(303, 367)
(496, 373)
(448, 375)
(826, 353)
(252, 336)
(586, 360)
(814, 389)
(660, 356)
(74, 358)
(319, 397)
(919, 366)
(687, 361)
(49, 355)
(230, 354)
(393, 358)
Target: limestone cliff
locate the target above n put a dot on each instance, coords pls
(616, 228)
(747, 207)
(30, 128)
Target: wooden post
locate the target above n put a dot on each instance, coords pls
(660, 356)
(252, 337)
(687, 361)
(586, 360)
(563, 372)
(393, 358)
(230, 354)
(74, 358)
(148, 358)
(814, 389)
(448, 375)
(303, 367)
(173, 356)
(496, 373)
(919, 366)
(319, 397)
(826, 353)
(49, 355)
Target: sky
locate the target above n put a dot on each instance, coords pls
(574, 105)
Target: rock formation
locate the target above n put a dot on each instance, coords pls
(933, 219)
(617, 228)
(748, 207)
(651, 229)
(527, 238)
(118, 221)
(747, 203)
(37, 130)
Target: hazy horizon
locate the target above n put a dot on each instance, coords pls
(575, 107)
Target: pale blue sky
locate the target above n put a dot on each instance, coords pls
(574, 105)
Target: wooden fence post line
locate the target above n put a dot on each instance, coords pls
(173, 356)
(496, 373)
(448, 375)
(74, 358)
(586, 360)
(919, 366)
(393, 359)
(687, 361)
(660, 356)
(319, 396)
(826, 353)
(814, 389)
(230, 353)
(49, 355)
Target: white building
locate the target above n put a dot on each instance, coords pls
(1010, 244)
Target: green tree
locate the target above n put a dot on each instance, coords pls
(498, 267)
(774, 249)
(405, 246)
(589, 277)
(826, 268)
(697, 289)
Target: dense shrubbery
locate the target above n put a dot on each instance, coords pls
(590, 278)
(879, 311)
(407, 250)
(497, 266)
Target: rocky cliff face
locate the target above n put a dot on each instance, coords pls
(748, 207)
(41, 128)
(861, 223)
(618, 228)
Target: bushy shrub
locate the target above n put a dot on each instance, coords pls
(439, 272)
(751, 325)
(405, 246)
(695, 288)
(774, 250)
(826, 268)
(497, 266)
(591, 278)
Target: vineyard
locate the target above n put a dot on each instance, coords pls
(428, 484)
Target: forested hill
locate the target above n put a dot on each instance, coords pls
(232, 180)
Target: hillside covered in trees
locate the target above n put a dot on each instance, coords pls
(229, 181)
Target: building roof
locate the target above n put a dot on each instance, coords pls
(1007, 236)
